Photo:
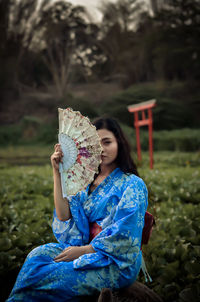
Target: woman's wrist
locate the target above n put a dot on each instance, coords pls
(88, 249)
(56, 171)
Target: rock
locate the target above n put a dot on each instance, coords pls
(137, 292)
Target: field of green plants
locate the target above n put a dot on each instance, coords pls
(173, 253)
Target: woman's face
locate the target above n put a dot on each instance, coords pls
(109, 145)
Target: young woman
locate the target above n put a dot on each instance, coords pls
(99, 230)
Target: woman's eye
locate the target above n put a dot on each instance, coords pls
(107, 143)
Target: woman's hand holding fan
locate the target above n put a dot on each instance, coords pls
(56, 157)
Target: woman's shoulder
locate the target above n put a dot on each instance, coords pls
(130, 177)
(133, 180)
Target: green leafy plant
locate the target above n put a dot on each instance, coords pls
(173, 253)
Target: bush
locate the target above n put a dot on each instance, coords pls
(10, 134)
(175, 108)
(33, 132)
(185, 140)
(85, 107)
(174, 251)
(172, 255)
(26, 213)
(178, 140)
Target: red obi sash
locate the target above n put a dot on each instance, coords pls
(95, 229)
(149, 221)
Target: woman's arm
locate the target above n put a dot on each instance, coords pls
(61, 204)
(73, 252)
(120, 239)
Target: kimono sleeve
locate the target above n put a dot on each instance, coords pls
(120, 240)
(74, 231)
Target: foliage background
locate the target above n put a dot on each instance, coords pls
(172, 255)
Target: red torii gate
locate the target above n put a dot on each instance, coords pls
(136, 108)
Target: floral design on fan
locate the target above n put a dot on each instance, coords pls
(84, 152)
(79, 159)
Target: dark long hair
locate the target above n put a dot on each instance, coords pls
(124, 160)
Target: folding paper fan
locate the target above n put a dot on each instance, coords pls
(81, 147)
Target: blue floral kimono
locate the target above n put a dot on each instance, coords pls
(118, 205)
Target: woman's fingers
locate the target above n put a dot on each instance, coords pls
(69, 254)
(62, 253)
(58, 150)
(57, 156)
(63, 256)
(56, 146)
(58, 153)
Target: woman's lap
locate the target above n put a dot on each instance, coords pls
(42, 279)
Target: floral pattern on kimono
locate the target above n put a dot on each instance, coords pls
(118, 205)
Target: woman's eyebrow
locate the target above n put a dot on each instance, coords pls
(105, 138)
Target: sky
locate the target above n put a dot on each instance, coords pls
(92, 6)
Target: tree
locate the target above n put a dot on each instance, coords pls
(22, 28)
(18, 25)
(57, 33)
(157, 5)
(65, 33)
(178, 47)
(117, 38)
(4, 21)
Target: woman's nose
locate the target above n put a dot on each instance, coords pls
(103, 149)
